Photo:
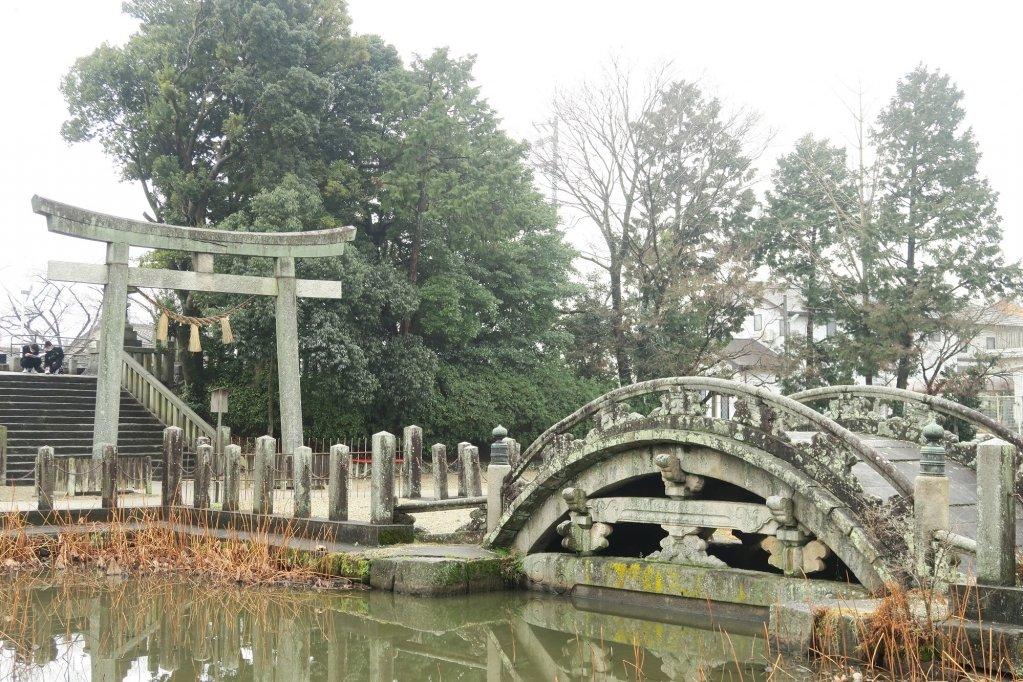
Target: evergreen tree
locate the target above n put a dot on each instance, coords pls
(270, 115)
(803, 218)
(940, 244)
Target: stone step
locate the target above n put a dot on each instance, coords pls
(74, 419)
(88, 402)
(58, 411)
(27, 382)
(85, 451)
(65, 411)
(127, 436)
(83, 391)
(83, 444)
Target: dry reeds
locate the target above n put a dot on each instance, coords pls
(910, 635)
(146, 544)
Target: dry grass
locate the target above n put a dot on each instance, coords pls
(909, 636)
(148, 546)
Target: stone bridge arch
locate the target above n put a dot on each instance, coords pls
(792, 492)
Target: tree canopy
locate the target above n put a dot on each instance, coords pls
(271, 115)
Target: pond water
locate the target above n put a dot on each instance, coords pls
(155, 629)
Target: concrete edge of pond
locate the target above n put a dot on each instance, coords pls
(561, 573)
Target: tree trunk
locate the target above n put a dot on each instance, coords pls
(906, 338)
(192, 369)
(417, 249)
(812, 365)
(620, 341)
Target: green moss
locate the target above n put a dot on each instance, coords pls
(395, 536)
(344, 565)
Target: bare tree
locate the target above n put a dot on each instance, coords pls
(49, 310)
(595, 162)
(951, 338)
(662, 173)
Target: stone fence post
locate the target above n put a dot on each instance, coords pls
(173, 454)
(996, 518)
(412, 444)
(3, 455)
(108, 479)
(439, 455)
(232, 477)
(381, 503)
(203, 476)
(46, 478)
(474, 476)
(463, 468)
(497, 471)
(930, 497)
(337, 482)
(264, 465)
(302, 472)
(220, 462)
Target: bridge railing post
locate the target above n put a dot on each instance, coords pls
(497, 471)
(930, 497)
(996, 517)
(381, 502)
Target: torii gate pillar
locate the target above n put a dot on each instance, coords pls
(111, 345)
(288, 367)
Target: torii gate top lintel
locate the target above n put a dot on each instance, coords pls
(78, 222)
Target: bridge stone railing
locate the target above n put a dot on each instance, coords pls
(833, 446)
(872, 410)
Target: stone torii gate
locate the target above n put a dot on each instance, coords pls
(116, 277)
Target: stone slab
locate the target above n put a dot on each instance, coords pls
(997, 604)
(442, 570)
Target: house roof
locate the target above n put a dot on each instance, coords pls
(748, 354)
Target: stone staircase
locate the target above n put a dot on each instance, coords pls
(40, 409)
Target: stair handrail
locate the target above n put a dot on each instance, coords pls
(161, 401)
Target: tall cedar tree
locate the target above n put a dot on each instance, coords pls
(941, 236)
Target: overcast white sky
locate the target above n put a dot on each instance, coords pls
(795, 62)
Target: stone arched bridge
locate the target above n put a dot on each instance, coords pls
(710, 488)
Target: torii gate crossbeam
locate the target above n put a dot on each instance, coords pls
(116, 277)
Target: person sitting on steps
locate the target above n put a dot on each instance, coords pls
(31, 361)
(53, 358)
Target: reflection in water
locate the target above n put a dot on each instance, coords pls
(153, 629)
